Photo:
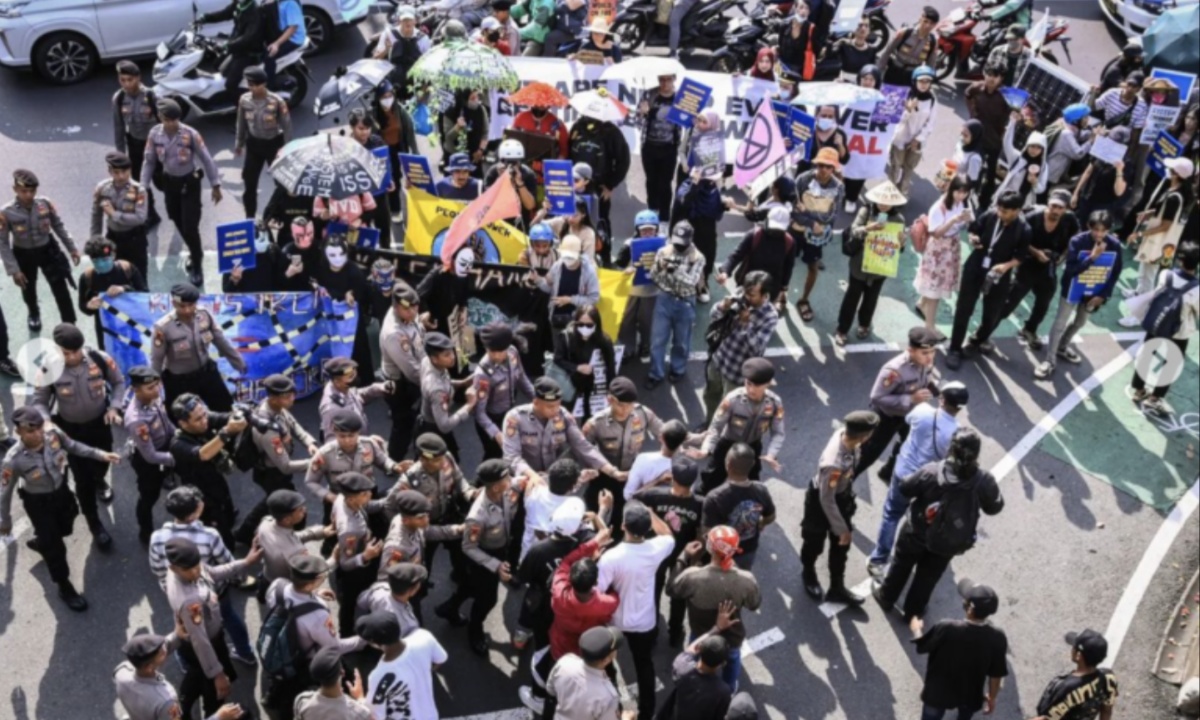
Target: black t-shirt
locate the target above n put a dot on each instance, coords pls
(1001, 243)
(1054, 242)
(1168, 204)
(696, 696)
(681, 513)
(1078, 697)
(962, 656)
(207, 475)
(855, 59)
(742, 507)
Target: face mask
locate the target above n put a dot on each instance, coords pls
(261, 243)
(302, 235)
(103, 265)
(539, 112)
(463, 263)
(572, 264)
(387, 102)
(336, 257)
(826, 124)
(585, 332)
(473, 105)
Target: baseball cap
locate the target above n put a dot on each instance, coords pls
(778, 218)
(983, 600)
(571, 248)
(568, 517)
(1090, 644)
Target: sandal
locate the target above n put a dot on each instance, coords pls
(806, 311)
(839, 340)
(863, 333)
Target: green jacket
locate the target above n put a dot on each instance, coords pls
(540, 14)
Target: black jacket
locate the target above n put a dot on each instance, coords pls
(928, 485)
(248, 27)
(601, 145)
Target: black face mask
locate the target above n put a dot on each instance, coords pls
(302, 524)
(539, 112)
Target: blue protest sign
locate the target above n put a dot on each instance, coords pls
(416, 170)
(560, 186)
(801, 127)
(690, 99)
(1088, 283)
(783, 116)
(382, 154)
(235, 246)
(1183, 81)
(1164, 147)
(641, 253)
(1015, 97)
(361, 237)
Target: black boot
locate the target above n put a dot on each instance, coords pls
(71, 596)
(839, 593)
(100, 535)
(449, 612)
(812, 586)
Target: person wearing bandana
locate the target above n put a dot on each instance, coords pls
(344, 281)
(108, 276)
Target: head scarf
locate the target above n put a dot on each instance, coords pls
(770, 74)
(975, 128)
(722, 543)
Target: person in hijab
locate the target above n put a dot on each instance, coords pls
(573, 350)
(465, 130)
(883, 207)
(344, 281)
(267, 273)
(764, 65)
(703, 145)
(108, 276)
(968, 155)
(397, 131)
(1026, 169)
(913, 131)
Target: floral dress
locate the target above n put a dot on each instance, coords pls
(937, 276)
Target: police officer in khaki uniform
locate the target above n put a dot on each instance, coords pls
(30, 233)
(274, 467)
(436, 476)
(410, 532)
(396, 594)
(123, 203)
(828, 507)
(135, 113)
(496, 381)
(348, 451)
(264, 126)
(401, 350)
(150, 431)
(903, 382)
(437, 391)
(144, 692)
(34, 468)
(86, 400)
(357, 557)
(328, 701)
(752, 414)
(537, 434)
(619, 432)
(180, 352)
(341, 393)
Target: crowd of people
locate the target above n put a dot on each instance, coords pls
(595, 519)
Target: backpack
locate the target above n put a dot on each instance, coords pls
(1164, 317)
(919, 234)
(789, 245)
(278, 643)
(245, 454)
(954, 518)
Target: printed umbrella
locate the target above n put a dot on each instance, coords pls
(834, 93)
(600, 105)
(460, 65)
(350, 84)
(1170, 41)
(328, 166)
(643, 72)
(538, 94)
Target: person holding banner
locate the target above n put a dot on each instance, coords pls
(511, 157)
(916, 125)
(107, 276)
(660, 145)
(873, 245)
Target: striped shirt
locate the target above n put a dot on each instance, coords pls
(212, 551)
(1111, 104)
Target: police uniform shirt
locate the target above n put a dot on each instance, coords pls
(496, 387)
(38, 472)
(531, 444)
(197, 608)
(582, 691)
(444, 490)
(378, 598)
(129, 203)
(280, 544)
(487, 529)
(897, 380)
(263, 118)
(314, 630)
(148, 698)
(740, 419)
(835, 476)
(29, 228)
(133, 115)
(312, 705)
(150, 430)
(352, 534)
(401, 349)
(620, 442)
(276, 444)
(81, 395)
(177, 155)
(182, 348)
(437, 392)
(404, 544)
(354, 399)
(330, 463)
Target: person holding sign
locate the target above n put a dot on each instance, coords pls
(636, 261)
(1105, 183)
(1160, 226)
(397, 130)
(873, 243)
(820, 198)
(1093, 266)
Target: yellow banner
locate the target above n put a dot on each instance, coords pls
(429, 217)
(614, 295)
(881, 252)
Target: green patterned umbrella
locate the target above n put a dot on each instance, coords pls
(460, 65)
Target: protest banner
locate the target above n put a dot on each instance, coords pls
(891, 108)
(1090, 281)
(498, 202)
(762, 147)
(868, 135)
(1158, 119)
(382, 154)
(430, 217)
(1110, 151)
(783, 115)
(690, 99)
(1165, 146)
(881, 251)
(417, 171)
(288, 333)
(641, 253)
(560, 186)
(802, 126)
(235, 246)
(1182, 80)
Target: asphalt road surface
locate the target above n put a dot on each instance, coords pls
(1061, 555)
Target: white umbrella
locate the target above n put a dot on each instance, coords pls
(834, 93)
(600, 105)
(643, 72)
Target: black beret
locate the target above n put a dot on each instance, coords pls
(338, 366)
(182, 552)
(185, 292)
(326, 666)
(281, 503)
(860, 421)
(410, 503)
(183, 501)
(406, 296)
(546, 388)
(25, 179)
(279, 384)
(118, 161)
(128, 67)
(141, 648)
(67, 337)
(255, 75)
(758, 370)
(491, 472)
(28, 415)
(347, 421)
(403, 576)
(378, 628)
(502, 5)
(922, 338)
(169, 110)
(437, 342)
(142, 375)
(600, 642)
(623, 389)
(431, 445)
(304, 567)
(353, 482)
(496, 336)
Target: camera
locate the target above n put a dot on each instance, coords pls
(246, 411)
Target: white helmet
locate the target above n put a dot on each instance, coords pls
(511, 151)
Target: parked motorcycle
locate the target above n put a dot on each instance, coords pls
(703, 27)
(959, 50)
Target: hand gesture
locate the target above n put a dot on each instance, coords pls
(693, 549)
(222, 684)
(606, 499)
(920, 396)
(975, 241)
(19, 279)
(236, 426)
(588, 475)
(584, 369)
(112, 417)
(256, 552)
(350, 298)
(505, 573)
(94, 303)
(721, 277)
(356, 689)
(231, 711)
(772, 463)
(115, 291)
(294, 269)
(216, 195)
(725, 618)
(874, 226)
(372, 550)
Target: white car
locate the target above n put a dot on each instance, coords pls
(1134, 16)
(66, 40)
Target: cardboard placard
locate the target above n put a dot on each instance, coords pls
(417, 171)
(881, 250)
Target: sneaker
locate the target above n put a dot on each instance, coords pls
(531, 701)
(35, 323)
(1070, 355)
(644, 357)
(876, 570)
(1031, 339)
(8, 367)
(1129, 322)
(1043, 371)
(812, 586)
(247, 660)
(703, 297)
(954, 360)
(845, 596)
(851, 207)
(983, 346)
(1154, 404)
(1138, 396)
(651, 383)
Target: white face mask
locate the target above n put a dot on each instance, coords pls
(336, 257)
(387, 102)
(463, 263)
(261, 243)
(826, 123)
(585, 332)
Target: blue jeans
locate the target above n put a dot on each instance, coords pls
(674, 319)
(931, 713)
(893, 512)
(235, 627)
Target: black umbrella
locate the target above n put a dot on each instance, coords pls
(328, 166)
(348, 85)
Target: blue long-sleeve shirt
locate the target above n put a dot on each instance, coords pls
(929, 433)
(1078, 261)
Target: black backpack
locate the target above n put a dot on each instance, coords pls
(244, 453)
(278, 643)
(1164, 318)
(954, 518)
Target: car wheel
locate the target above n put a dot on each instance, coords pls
(297, 87)
(64, 58)
(319, 29)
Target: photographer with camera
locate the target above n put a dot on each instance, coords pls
(202, 449)
(678, 267)
(741, 325)
(511, 159)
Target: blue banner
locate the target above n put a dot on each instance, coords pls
(690, 99)
(1183, 81)
(783, 117)
(1164, 146)
(801, 127)
(1090, 281)
(560, 186)
(382, 154)
(289, 333)
(417, 171)
(641, 253)
(362, 237)
(235, 246)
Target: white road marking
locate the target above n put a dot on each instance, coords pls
(761, 641)
(1135, 590)
(830, 609)
(18, 529)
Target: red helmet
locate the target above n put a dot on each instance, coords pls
(723, 544)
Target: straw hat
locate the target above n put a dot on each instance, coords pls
(886, 193)
(599, 25)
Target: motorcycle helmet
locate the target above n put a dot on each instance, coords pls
(645, 218)
(1133, 48)
(922, 71)
(1076, 112)
(511, 151)
(454, 29)
(541, 233)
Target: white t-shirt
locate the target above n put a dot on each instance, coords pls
(402, 689)
(647, 467)
(540, 505)
(630, 568)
